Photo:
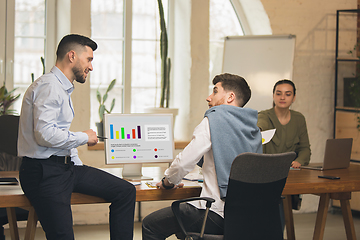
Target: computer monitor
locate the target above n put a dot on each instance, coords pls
(134, 139)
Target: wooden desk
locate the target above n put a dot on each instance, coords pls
(306, 181)
(299, 182)
(12, 196)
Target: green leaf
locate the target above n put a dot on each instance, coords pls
(112, 105)
(43, 64)
(3, 90)
(16, 97)
(112, 84)
(101, 112)
(98, 95)
(11, 92)
(105, 97)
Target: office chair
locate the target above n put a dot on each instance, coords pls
(251, 209)
(9, 161)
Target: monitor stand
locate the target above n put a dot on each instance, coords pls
(133, 172)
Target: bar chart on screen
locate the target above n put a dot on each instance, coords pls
(138, 138)
(134, 133)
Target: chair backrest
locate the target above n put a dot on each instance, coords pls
(253, 196)
(9, 128)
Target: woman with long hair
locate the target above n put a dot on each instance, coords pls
(291, 133)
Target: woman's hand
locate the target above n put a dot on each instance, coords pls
(295, 164)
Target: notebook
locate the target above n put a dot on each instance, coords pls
(8, 181)
(337, 155)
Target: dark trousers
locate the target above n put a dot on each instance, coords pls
(162, 223)
(49, 185)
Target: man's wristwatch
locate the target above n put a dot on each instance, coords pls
(165, 186)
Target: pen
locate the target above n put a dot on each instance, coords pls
(102, 137)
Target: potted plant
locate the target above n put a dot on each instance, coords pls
(102, 107)
(165, 68)
(9, 121)
(7, 99)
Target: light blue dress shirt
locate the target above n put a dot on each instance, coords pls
(46, 115)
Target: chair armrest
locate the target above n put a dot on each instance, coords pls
(208, 200)
(176, 210)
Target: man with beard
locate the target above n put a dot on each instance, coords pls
(51, 168)
(227, 130)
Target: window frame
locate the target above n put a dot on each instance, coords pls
(7, 26)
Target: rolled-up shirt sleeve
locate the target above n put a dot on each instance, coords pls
(186, 160)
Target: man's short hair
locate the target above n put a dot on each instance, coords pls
(237, 84)
(71, 42)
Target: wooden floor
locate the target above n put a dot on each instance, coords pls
(304, 227)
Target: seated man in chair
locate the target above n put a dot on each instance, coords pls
(227, 130)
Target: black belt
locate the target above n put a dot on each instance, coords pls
(53, 158)
(60, 159)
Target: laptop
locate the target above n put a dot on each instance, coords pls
(337, 155)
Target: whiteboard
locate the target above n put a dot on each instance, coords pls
(262, 61)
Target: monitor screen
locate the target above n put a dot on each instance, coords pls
(138, 138)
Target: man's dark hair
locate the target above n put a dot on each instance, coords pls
(237, 84)
(71, 42)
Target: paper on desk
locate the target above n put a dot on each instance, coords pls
(152, 184)
(267, 135)
(188, 183)
(194, 175)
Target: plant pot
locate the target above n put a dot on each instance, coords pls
(100, 130)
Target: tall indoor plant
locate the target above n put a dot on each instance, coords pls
(165, 69)
(165, 60)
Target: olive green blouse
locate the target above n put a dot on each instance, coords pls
(292, 137)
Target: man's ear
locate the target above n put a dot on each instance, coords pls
(71, 56)
(231, 97)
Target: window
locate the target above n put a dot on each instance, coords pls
(141, 88)
(146, 64)
(107, 26)
(223, 22)
(29, 43)
(25, 39)
(110, 20)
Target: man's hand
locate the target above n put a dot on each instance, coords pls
(92, 137)
(160, 185)
(295, 164)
